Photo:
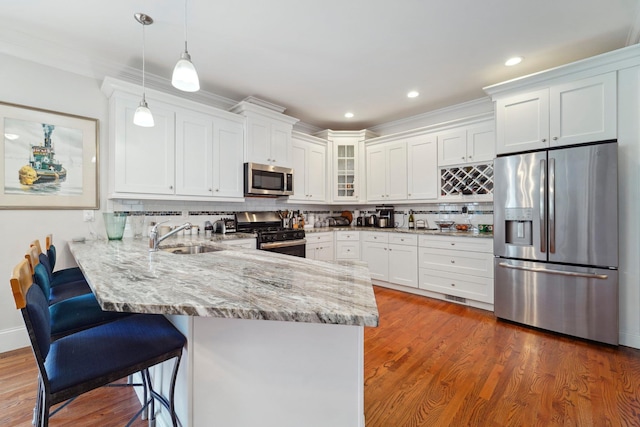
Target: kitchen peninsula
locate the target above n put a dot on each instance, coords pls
(273, 340)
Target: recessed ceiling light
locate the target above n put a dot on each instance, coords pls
(513, 61)
(348, 115)
(413, 94)
(11, 136)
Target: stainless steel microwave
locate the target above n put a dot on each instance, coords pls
(267, 180)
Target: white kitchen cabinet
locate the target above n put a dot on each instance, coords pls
(392, 257)
(386, 171)
(468, 144)
(422, 167)
(563, 114)
(309, 168)
(209, 153)
(268, 134)
(458, 267)
(142, 159)
(194, 152)
(347, 180)
(347, 245)
(320, 246)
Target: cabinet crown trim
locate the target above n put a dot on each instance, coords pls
(245, 107)
(600, 64)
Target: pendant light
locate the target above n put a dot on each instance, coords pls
(185, 76)
(143, 116)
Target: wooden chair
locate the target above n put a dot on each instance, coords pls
(94, 357)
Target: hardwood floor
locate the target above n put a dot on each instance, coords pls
(430, 363)
(433, 363)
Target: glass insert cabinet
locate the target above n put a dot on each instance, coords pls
(345, 170)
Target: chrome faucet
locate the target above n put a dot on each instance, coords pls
(154, 240)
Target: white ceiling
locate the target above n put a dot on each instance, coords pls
(321, 58)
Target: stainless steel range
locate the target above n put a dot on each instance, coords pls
(271, 235)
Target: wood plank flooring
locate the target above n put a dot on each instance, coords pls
(434, 363)
(430, 363)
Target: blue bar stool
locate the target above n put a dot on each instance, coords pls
(94, 357)
(60, 279)
(71, 307)
(66, 274)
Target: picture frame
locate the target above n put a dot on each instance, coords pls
(49, 159)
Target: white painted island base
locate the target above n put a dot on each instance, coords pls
(238, 373)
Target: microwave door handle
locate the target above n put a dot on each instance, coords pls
(552, 206)
(543, 205)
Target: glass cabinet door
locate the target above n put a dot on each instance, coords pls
(346, 171)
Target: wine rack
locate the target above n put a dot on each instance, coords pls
(467, 180)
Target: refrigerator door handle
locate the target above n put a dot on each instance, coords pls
(543, 205)
(560, 273)
(552, 206)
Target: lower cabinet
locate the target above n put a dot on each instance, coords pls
(320, 246)
(392, 257)
(460, 268)
(347, 245)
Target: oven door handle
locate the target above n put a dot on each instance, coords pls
(285, 244)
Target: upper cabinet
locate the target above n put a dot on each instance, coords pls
(268, 134)
(194, 152)
(346, 165)
(309, 168)
(142, 160)
(209, 153)
(466, 144)
(422, 167)
(387, 171)
(561, 114)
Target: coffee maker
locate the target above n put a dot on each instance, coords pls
(385, 216)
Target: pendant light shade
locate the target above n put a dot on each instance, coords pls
(185, 76)
(143, 116)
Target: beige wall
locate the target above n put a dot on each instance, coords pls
(31, 84)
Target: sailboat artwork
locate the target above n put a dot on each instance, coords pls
(43, 166)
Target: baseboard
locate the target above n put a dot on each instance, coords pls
(13, 339)
(630, 340)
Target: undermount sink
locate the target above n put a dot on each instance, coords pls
(191, 250)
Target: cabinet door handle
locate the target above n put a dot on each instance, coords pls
(462, 157)
(470, 157)
(210, 190)
(171, 187)
(544, 139)
(453, 284)
(453, 262)
(217, 189)
(555, 138)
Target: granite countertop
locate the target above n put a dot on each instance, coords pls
(403, 230)
(230, 283)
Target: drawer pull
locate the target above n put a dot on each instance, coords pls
(453, 244)
(453, 284)
(453, 261)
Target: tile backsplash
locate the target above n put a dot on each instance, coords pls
(176, 212)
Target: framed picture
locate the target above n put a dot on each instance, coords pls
(49, 159)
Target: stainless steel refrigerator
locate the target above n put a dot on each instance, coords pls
(556, 240)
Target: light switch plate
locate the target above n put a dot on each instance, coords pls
(88, 216)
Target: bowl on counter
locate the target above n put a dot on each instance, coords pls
(444, 225)
(485, 228)
(464, 227)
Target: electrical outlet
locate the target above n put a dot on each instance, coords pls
(88, 216)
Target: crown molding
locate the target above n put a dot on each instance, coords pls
(466, 109)
(606, 62)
